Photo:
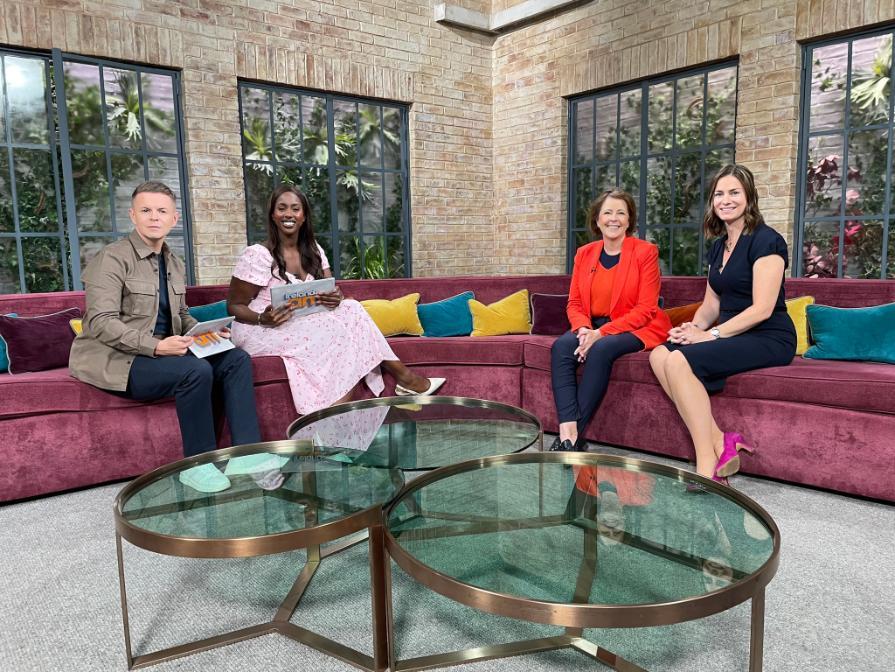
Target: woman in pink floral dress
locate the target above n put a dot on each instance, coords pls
(326, 354)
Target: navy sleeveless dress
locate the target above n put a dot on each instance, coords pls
(769, 343)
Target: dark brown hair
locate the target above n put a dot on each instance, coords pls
(154, 187)
(712, 224)
(307, 245)
(593, 212)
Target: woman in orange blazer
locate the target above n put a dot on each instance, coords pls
(613, 309)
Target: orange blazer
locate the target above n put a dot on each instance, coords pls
(634, 305)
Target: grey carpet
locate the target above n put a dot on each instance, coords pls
(830, 607)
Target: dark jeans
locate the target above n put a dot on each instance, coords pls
(577, 402)
(192, 381)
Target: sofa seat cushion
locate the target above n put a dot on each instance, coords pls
(479, 350)
(55, 391)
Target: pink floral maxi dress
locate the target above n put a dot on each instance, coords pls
(325, 353)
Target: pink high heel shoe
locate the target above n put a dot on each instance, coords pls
(729, 461)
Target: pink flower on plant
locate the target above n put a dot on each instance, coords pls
(852, 196)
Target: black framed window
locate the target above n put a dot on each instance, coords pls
(844, 206)
(349, 156)
(77, 135)
(661, 140)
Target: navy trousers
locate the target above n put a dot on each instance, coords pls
(192, 382)
(577, 402)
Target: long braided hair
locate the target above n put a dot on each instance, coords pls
(307, 245)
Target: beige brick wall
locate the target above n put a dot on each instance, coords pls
(488, 122)
(384, 48)
(606, 43)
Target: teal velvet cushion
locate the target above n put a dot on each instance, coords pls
(210, 311)
(448, 317)
(4, 360)
(856, 334)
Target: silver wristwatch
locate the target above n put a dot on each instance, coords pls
(715, 332)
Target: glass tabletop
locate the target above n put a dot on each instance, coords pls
(606, 531)
(419, 433)
(293, 486)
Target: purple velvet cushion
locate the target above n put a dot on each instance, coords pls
(548, 314)
(38, 343)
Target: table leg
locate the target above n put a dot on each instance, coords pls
(380, 588)
(756, 642)
(124, 618)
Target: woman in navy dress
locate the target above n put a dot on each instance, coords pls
(744, 300)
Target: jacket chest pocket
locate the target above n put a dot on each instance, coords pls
(140, 298)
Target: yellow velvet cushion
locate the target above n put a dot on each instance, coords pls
(76, 326)
(510, 315)
(397, 316)
(797, 309)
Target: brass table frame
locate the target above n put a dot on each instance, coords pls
(577, 615)
(350, 530)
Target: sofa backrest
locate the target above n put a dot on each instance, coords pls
(676, 291)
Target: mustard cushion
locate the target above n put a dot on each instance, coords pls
(510, 315)
(397, 316)
(797, 309)
(76, 326)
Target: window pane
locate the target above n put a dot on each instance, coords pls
(286, 126)
(345, 124)
(823, 182)
(630, 178)
(658, 195)
(820, 250)
(259, 185)
(870, 85)
(865, 192)
(393, 193)
(370, 136)
(348, 202)
(256, 140)
(583, 195)
(315, 130)
(661, 97)
(26, 88)
(714, 161)
(9, 266)
(661, 238)
(82, 99)
(686, 251)
(863, 250)
(584, 128)
(127, 173)
(177, 244)
(631, 106)
(372, 202)
(35, 190)
(90, 246)
(689, 112)
(122, 108)
(289, 175)
(2, 103)
(607, 117)
(721, 108)
(828, 79)
(43, 265)
(890, 273)
(605, 179)
(7, 217)
(316, 188)
(158, 112)
(391, 137)
(167, 169)
(688, 201)
(375, 257)
(583, 237)
(350, 257)
(395, 259)
(91, 191)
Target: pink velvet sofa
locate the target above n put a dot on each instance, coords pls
(819, 423)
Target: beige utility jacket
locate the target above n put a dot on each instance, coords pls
(122, 289)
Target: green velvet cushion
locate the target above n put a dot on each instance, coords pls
(210, 311)
(856, 334)
(4, 360)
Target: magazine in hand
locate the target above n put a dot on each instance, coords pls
(206, 339)
(302, 296)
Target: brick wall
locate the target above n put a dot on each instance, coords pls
(488, 122)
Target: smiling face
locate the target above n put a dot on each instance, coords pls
(288, 214)
(729, 200)
(613, 219)
(153, 215)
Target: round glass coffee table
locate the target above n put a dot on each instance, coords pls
(299, 496)
(419, 433)
(580, 540)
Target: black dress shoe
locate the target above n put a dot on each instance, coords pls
(555, 445)
(562, 446)
(580, 445)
